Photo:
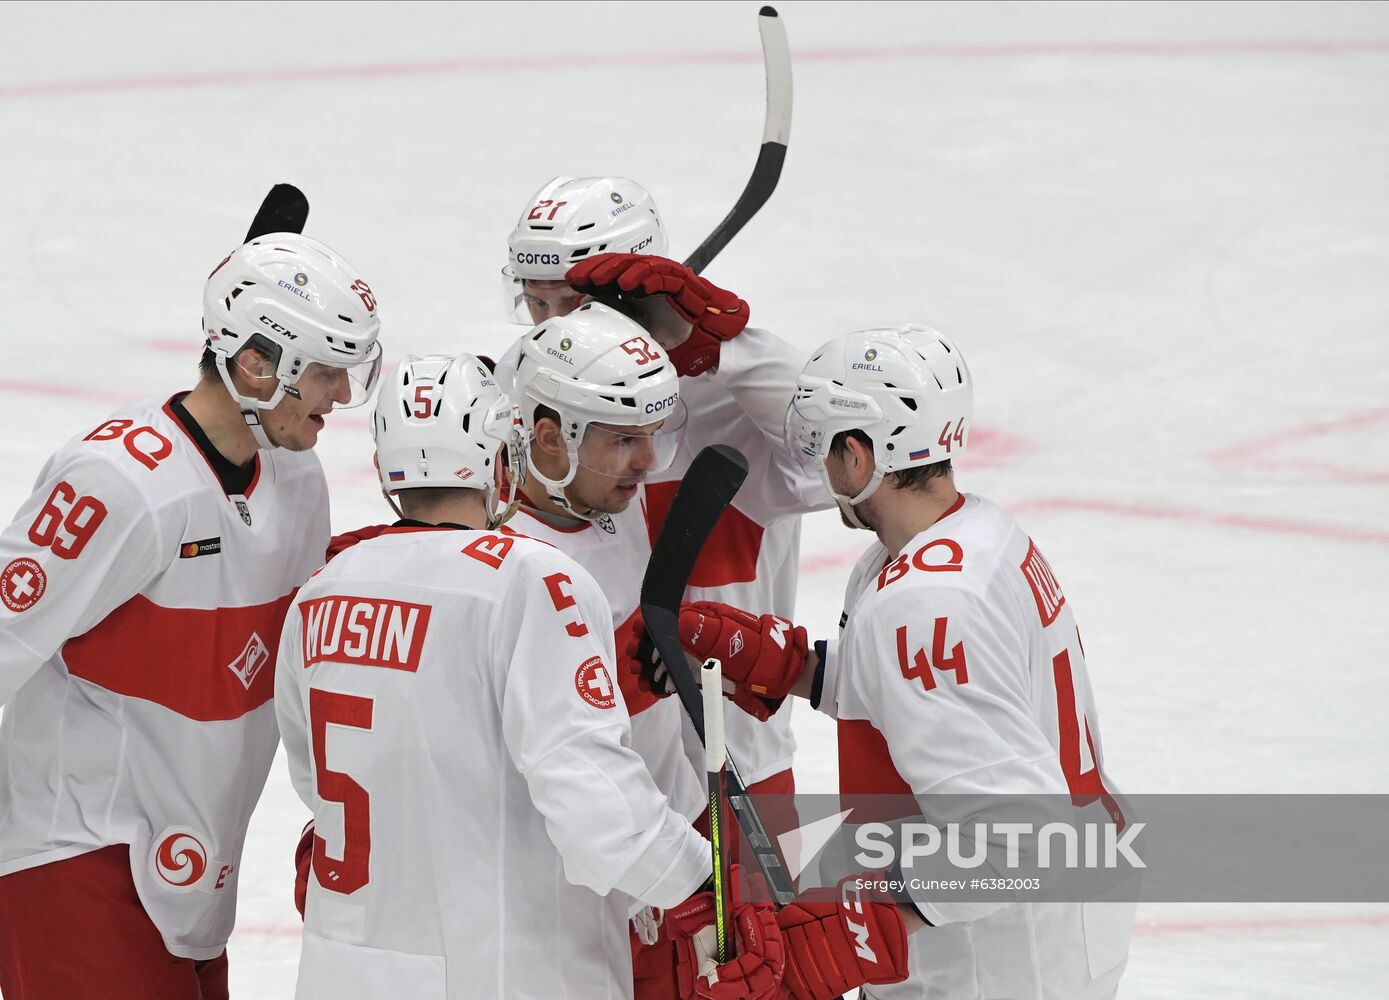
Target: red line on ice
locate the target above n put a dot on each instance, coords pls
(310, 74)
(1274, 525)
(1248, 449)
(73, 391)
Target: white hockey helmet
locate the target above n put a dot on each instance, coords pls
(297, 301)
(440, 422)
(908, 388)
(570, 219)
(595, 366)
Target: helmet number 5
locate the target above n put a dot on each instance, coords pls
(423, 402)
(947, 440)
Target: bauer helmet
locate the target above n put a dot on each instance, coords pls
(907, 388)
(573, 218)
(297, 302)
(441, 422)
(597, 367)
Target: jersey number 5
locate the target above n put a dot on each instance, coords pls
(353, 870)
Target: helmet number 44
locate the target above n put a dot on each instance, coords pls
(948, 440)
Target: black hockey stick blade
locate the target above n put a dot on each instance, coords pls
(284, 210)
(776, 135)
(705, 491)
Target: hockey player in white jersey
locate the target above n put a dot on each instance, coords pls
(602, 405)
(144, 584)
(604, 237)
(958, 669)
(447, 700)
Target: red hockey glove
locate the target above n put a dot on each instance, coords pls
(755, 971)
(303, 862)
(715, 315)
(832, 948)
(642, 659)
(763, 656)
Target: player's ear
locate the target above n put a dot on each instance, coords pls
(549, 438)
(861, 462)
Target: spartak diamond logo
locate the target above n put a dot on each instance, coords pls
(252, 658)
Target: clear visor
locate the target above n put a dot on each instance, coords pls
(530, 302)
(805, 439)
(342, 386)
(633, 453)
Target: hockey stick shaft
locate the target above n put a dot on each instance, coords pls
(715, 753)
(707, 488)
(776, 135)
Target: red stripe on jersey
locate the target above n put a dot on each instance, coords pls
(637, 699)
(866, 768)
(202, 664)
(730, 555)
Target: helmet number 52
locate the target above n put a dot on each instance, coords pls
(639, 349)
(947, 440)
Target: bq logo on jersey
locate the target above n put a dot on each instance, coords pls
(369, 631)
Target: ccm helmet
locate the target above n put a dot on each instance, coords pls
(299, 303)
(595, 366)
(907, 388)
(442, 422)
(570, 219)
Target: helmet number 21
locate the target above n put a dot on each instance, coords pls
(947, 440)
(539, 209)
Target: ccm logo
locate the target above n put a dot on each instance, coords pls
(851, 906)
(662, 404)
(282, 331)
(642, 245)
(537, 258)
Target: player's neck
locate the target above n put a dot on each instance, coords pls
(901, 515)
(220, 418)
(465, 507)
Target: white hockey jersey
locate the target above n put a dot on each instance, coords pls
(751, 561)
(959, 671)
(447, 703)
(615, 549)
(141, 606)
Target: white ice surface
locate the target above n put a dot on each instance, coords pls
(1158, 232)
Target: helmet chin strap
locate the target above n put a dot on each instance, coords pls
(250, 406)
(554, 488)
(847, 503)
